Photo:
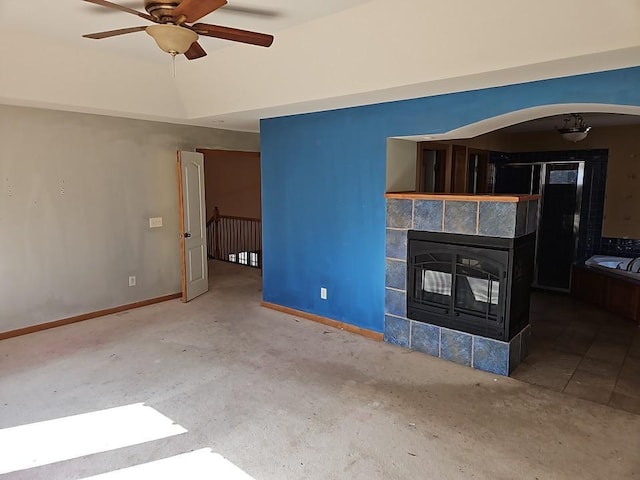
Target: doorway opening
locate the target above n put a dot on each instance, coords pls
(589, 207)
(233, 206)
(560, 185)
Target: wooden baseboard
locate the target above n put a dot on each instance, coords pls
(86, 316)
(325, 321)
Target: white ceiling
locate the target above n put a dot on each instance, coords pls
(68, 20)
(327, 54)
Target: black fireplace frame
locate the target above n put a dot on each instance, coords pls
(512, 260)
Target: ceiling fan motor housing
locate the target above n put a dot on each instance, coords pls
(161, 9)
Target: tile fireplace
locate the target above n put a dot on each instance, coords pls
(458, 270)
(477, 285)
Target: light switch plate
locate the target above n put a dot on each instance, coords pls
(155, 222)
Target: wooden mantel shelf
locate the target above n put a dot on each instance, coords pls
(507, 198)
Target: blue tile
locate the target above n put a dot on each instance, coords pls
(396, 244)
(491, 355)
(497, 219)
(396, 274)
(532, 216)
(427, 215)
(425, 338)
(460, 217)
(525, 341)
(395, 302)
(521, 219)
(456, 346)
(399, 213)
(396, 331)
(514, 353)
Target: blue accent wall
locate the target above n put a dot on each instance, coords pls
(323, 183)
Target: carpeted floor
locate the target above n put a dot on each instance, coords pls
(285, 398)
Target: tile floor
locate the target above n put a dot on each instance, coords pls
(583, 351)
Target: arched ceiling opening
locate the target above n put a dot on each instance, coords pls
(540, 118)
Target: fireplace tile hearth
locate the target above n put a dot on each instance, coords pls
(504, 219)
(396, 274)
(396, 331)
(456, 346)
(428, 215)
(497, 219)
(517, 349)
(395, 302)
(399, 213)
(460, 217)
(425, 338)
(521, 219)
(397, 244)
(491, 355)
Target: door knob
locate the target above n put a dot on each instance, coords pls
(187, 235)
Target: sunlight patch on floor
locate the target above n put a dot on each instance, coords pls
(42, 443)
(198, 465)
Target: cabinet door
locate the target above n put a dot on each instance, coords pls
(478, 166)
(460, 177)
(432, 168)
(588, 286)
(622, 298)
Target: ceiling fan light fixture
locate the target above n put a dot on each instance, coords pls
(577, 131)
(172, 39)
(574, 136)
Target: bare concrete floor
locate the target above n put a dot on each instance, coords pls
(290, 399)
(583, 351)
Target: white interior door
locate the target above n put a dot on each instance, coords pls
(193, 242)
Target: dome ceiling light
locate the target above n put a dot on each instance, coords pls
(574, 129)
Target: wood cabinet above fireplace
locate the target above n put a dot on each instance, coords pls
(448, 168)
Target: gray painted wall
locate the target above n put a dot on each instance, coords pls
(76, 195)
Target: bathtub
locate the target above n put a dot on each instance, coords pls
(611, 283)
(623, 266)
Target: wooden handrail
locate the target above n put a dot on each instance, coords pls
(216, 216)
(223, 228)
(231, 217)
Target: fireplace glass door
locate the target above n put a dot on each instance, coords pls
(433, 280)
(458, 287)
(477, 287)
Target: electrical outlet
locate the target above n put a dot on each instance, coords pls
(132, 281)
(155, 222)
(323, 293)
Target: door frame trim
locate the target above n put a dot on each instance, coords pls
(576, 217)
(183, 259)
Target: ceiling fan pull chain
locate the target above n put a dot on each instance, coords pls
(173, 61)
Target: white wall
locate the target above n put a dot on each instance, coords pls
(76, 194)
(401, 165)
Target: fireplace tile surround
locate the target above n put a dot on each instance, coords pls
(508, 216)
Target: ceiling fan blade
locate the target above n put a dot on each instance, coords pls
(246, 10)
(195, 51)
(113, 33)
(115, 6)
(193, 10)
(233, 34)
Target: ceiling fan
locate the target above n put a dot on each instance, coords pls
(172, 31)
